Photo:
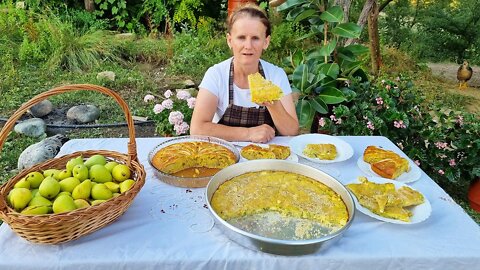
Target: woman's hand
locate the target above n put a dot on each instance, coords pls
(261, 134)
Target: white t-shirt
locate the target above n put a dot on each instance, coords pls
(216, 82)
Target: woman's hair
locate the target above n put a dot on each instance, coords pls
(252, 11)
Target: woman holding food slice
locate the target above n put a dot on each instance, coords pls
(234, 108)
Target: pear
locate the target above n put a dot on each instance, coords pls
(73, 162)
(100, 174)
(82, 191)
(116, 194)
(126, 185)
(35, 192)
(39, 200)
(49, 188)
(110, 165)
(68, 184)
(35, 178)
(114, 187)
(95, 202)
(80, 171)
(51, 172)
(95, 160)
(101, 192)
(63, 174)
(63, 203)
(121, 172)
(62, 193)
(22, 183)
(81, 203)
(19, 198)
(37, 210)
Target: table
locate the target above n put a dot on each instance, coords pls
(183, 235)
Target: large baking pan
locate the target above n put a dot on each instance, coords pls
(271, 245)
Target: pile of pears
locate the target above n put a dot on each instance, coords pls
(82, 183)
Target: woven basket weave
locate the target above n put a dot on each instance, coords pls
(63, 227)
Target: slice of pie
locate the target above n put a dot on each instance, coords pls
(385, 163)
(326, 151)
(263, 90)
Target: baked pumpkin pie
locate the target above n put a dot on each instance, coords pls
(274, 151)
(326, 151)
(263, 90)
(385, 163)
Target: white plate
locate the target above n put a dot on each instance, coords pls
(240, 145)
(420, 212)
(298, 143)
(407, 177)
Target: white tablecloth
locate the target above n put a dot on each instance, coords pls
(168, 227)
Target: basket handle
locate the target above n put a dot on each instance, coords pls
(132, 146)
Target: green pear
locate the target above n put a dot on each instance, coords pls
(100, 174)
(19, 198)
(110, 165)
(37, 210)
(35, 178)
(81, 203)
(63, 174)
(35, 192)
(39, 200)
(63, 203)
(51, 172)
(95, 160)
(95, 202)
(101, 192)
(73, 162)
(80, 171)
(23, 183)
(116, 194)
(121, 172)
(49, 188)
(82, 191)
(68, 184)
(62, 193)
(114, 187)
(126, 185)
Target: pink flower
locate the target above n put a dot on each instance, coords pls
(167, 104)
(339, 121)
(459, 120)
(332, 117)
(417, 162)
(168, 93)
(388, 87)
(148, 98)
(181, 128)
(175, 118)
(370, 125)
(321, 122)
(182, 94)
(452, 162)
(158, 108)
(399, 124)
(191, 102)
(441, 172)
(379, 100)
(441, 145)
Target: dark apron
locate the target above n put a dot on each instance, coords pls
(238, 116)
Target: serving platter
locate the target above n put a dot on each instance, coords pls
(298, 144)
(420, 212)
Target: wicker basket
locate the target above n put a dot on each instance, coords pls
(60, 228)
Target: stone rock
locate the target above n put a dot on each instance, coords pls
(42, 151)
(189, 83)
(41, 109)
(34, 127)
(83, 113)
(106, 75)
(20, 5)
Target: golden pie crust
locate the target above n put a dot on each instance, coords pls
(385, 163)
(196, 154)
(325, 151)
(274, 151)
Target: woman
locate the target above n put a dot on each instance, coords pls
(223, 108)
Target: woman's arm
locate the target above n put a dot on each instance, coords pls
(284, 115)
(201, 124)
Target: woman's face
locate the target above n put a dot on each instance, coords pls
(247, 39)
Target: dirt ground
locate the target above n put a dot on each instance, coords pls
(447, 72)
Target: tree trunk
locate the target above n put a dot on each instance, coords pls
(89, 5)
(373, 35)
(345, 4)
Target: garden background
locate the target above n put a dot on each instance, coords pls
(358, 68)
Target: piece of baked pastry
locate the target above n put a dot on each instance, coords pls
(385, 163)
(274, 151)
(263, 90)
(326, 151)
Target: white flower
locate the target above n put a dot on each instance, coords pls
(168, 94)
(191, 102)
(148, 97)
(181, 128)
(182, 94)
(167, 104)
(158, 108)
(175, 118)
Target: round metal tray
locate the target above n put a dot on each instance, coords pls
(255, 241)
(190, 182)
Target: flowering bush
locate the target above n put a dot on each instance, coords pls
(171, 112)
(445, 144)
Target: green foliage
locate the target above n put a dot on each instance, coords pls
(115, 9)
(185, 11)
